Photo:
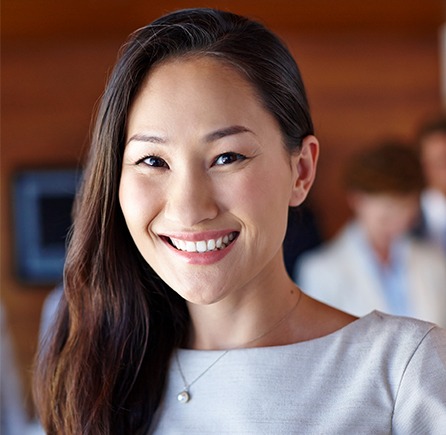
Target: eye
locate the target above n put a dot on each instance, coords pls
(228, 158)
(153, 161)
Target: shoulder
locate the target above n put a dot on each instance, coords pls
(425, 249)
(429, 258)
(329, 251)
(397, 339)
(376, 334)
(331, 258)
(391, 352)
(416, 356)
(411, 356)
(389, 327)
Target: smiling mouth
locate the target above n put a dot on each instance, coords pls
(203, 246)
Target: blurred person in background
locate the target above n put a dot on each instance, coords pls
(49, 311)
(13, 419)
(374, 263)
(432, 144)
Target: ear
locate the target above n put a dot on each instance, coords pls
(304, 169)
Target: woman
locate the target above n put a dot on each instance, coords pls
(179, 314)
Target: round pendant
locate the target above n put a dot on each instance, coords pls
(183, 397)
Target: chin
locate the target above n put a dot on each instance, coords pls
(203, 296)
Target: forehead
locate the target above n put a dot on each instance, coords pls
(196, 91)
(384, 199)
(206, 71)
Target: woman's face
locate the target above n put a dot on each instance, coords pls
(206, 181)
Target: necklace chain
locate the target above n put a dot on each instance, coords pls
(184, 396)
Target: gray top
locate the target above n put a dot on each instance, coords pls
(378, 375)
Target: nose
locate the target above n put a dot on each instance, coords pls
(190, 199)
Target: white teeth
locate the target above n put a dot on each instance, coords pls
(191, 247)
(203, 245)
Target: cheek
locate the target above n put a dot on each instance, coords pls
(248, 192)
(261, 201)
(256, 192)
(137, 203)
(373, 216)
(404, 219)
(275, 182)
(394, 221)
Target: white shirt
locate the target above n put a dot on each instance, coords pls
(341, 274)
(378, 375)
(433, 205)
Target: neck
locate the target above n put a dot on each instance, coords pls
(382, 251)
(264, 316)
(381, 246)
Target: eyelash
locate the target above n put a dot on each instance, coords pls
(234, 156)
(159, 162)
(153, 157)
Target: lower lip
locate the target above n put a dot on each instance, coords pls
(203, 258)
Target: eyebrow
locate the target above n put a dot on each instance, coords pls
(228, 131)
(146, 138)
(211, 137)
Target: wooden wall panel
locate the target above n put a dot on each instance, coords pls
(49, 94)
(363, 88)
(87, 18)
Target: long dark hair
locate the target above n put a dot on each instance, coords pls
(104, 369)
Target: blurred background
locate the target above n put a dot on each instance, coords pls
(372, 70)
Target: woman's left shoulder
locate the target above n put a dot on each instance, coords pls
(401, 333)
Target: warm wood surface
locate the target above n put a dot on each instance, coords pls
(89, 18)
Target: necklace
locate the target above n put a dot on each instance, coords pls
(184, 396)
